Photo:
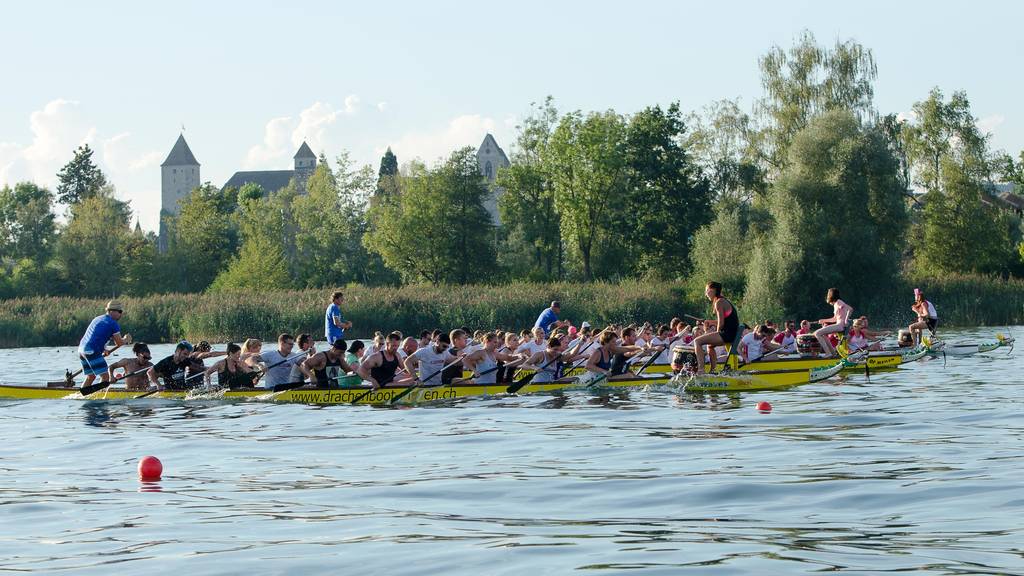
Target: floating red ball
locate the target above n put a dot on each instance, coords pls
(764, 406)
(150, 468)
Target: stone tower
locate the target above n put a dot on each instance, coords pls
(490, 157)
(179, 175)
(305, 164)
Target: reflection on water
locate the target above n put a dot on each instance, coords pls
(917, 471)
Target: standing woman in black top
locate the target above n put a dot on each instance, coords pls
(728, 324)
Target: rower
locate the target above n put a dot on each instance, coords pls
(308, 346)
(334, 324)
(484, 361)
(135, 382)
(927, 317)
(530, 347)
(600, 361)
(550, 362)
(754, 345)
(174, 369)
(787, 338)
(430, 360)
(459, 346)
(327, 366)
(381, 368)
(409, 346)
(356, 350)
(278, 364)
(250, 351)
(727, 327)
(92, 349)
(837, 323)
(623, 351)
(232, 371)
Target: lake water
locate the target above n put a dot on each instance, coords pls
(913, 471)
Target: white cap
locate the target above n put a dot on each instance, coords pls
(584, 325)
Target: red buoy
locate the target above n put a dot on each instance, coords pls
(764, 406)
(150, 468)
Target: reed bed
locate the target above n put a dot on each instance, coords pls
(961, 301)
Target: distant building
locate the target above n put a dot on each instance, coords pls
(179, 175)
(490, 157)
(274, 180)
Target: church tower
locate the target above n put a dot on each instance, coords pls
(179, 175)
(490, 157)
(305, 165)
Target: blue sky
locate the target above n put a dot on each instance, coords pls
(251, 80)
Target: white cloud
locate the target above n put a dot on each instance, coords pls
(276, 143)
(988, 124)
(382, 106)
(351, 104)
(466, 130)
(283, 136)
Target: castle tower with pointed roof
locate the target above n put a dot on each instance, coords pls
(179, 175)
(490, 158)
(274, 180)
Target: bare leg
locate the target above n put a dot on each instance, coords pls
(822, 335)
(711, 339)
(915, 330)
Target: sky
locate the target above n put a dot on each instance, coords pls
(247, 82)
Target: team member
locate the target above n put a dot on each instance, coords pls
(382, 368)
(727, 327)
(232, 371)
(548, 319)
(837, 323)
(334, 323)
(754, 345)
(429, 361)
(530, 347)
(92, 348)
(787, 338)
(327, 367)
(927, 317)
(136, 382)
(487, 358)
(550, 363)
(175, 369)
(277, 365)
(623, 350)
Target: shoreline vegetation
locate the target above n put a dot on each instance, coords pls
(221, 317)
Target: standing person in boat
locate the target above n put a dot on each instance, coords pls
(175, 369)
(327, 367)
(927, 317)
(92, 348)
(841, 312)
(279, 363)
(548, 319)
(382, 368)
(429, 361)
(232, 372)
(142, 359)
(487, 358)
(334, 323)
(727, 323)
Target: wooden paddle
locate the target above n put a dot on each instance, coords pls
(420, 382)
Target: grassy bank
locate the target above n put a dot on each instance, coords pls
(961, 301)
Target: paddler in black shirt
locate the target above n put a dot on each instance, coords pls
(176, 368)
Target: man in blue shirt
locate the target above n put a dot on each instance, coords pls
(92, 348)
(334, 324)
(548, 319)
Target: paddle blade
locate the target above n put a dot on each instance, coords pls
(94, 388)
(518, 385)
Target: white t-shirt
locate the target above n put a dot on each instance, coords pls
(753, 346)
(665, 357)
(430, 363)
(931, 310)
(788, 343)
(531, 347)
(282, 373)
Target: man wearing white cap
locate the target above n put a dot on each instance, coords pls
(92, 348)
(926, 316)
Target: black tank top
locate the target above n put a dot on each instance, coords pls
(327, 377)
(618, 364)
(385, 373)
(234, 378)
(731, 324)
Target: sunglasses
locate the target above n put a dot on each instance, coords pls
(147, 357)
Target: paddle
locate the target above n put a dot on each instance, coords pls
(420, 382)
(263, 371)
(69, 376)
(93, 388)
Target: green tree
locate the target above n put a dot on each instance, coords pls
(943, 130)
(668, 198)
(80, 178)
(808, 80)
(527, 207)
(261, 264)
(723, 141)
(839, 216)
(27, 223)
(387, 175)
(91, 247)
(203, 238)
(721, 252)
(961, 233)
(438, 230)
(585, 160)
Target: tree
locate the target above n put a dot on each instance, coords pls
(586, 162)
(668, 198)
(438, 230)
(809, 80)
(261, 264)
(839, 216)
(91, 247)
(961, 233)
(80, 178)
(723, 141)
(27, 223)
(943, 130)
(203, 238)
(387, 174)
(527, 207)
